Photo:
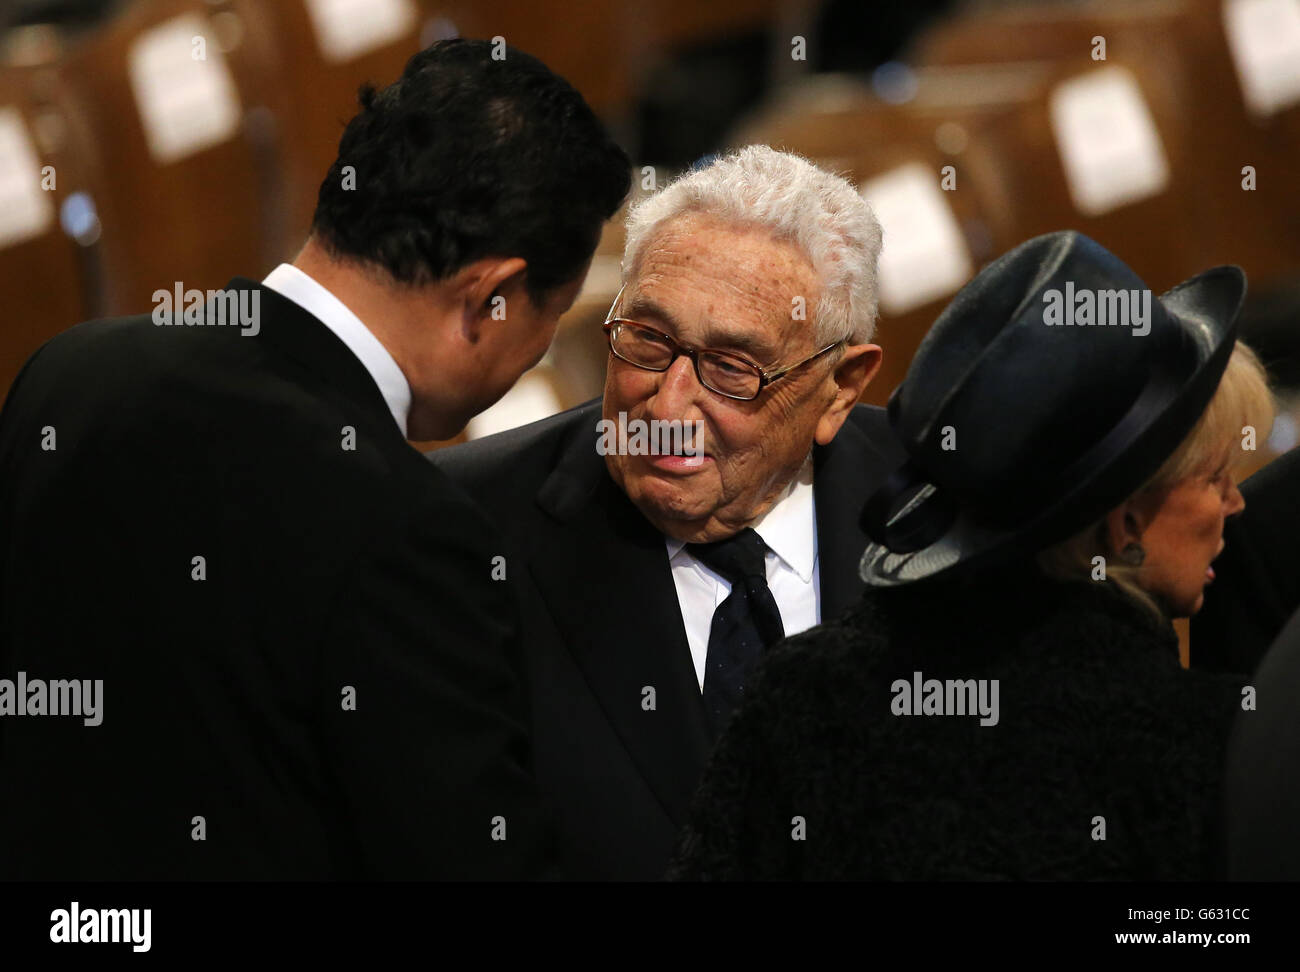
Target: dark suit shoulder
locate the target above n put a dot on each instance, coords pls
(517, 461)
(872, 423)
(235, 413)
(73, 349)
(871, 419)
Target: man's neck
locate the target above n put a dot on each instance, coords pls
(405, 320)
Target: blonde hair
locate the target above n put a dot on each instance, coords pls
(1242, 399)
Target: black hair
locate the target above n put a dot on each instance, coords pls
(467, 156)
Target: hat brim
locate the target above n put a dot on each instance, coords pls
(1207, 306)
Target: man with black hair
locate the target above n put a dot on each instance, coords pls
(299, 661)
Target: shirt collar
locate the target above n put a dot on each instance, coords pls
(789, 528)
(291, 282)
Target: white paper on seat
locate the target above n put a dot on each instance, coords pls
(924, 256)
(186, 104)
(347, 29)
(1264, 38)
(1108, 142)
(26, 210)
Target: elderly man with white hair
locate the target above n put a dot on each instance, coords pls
(653, 569)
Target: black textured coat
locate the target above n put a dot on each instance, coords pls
(1097, 719)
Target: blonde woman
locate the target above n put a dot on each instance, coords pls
(1007, 701)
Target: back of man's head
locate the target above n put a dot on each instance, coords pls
(467, 156)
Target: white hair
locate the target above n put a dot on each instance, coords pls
(820, 212)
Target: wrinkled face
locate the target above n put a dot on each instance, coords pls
(727, 288)
(1185, 534)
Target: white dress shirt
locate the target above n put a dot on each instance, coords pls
(288, 281)
(789, 529)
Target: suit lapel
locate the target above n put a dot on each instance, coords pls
(603, 571)
(845, 473)
(301, 336)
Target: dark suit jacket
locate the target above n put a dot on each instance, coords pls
(1257, 577)
(601, 623)
(327, 569)
(1263, 773)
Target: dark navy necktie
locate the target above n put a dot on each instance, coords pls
(743, 625)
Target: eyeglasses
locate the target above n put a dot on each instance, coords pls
(727, 374)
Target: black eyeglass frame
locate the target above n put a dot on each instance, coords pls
(765, 377)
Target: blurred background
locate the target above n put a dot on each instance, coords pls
(1168, 130)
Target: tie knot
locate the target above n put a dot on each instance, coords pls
(736, 558)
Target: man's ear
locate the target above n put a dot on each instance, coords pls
(483, 290)
(857, 366)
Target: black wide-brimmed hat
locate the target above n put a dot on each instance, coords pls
(1040, 400)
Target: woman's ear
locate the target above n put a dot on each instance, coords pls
(1120, 530)
(1128, 522)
